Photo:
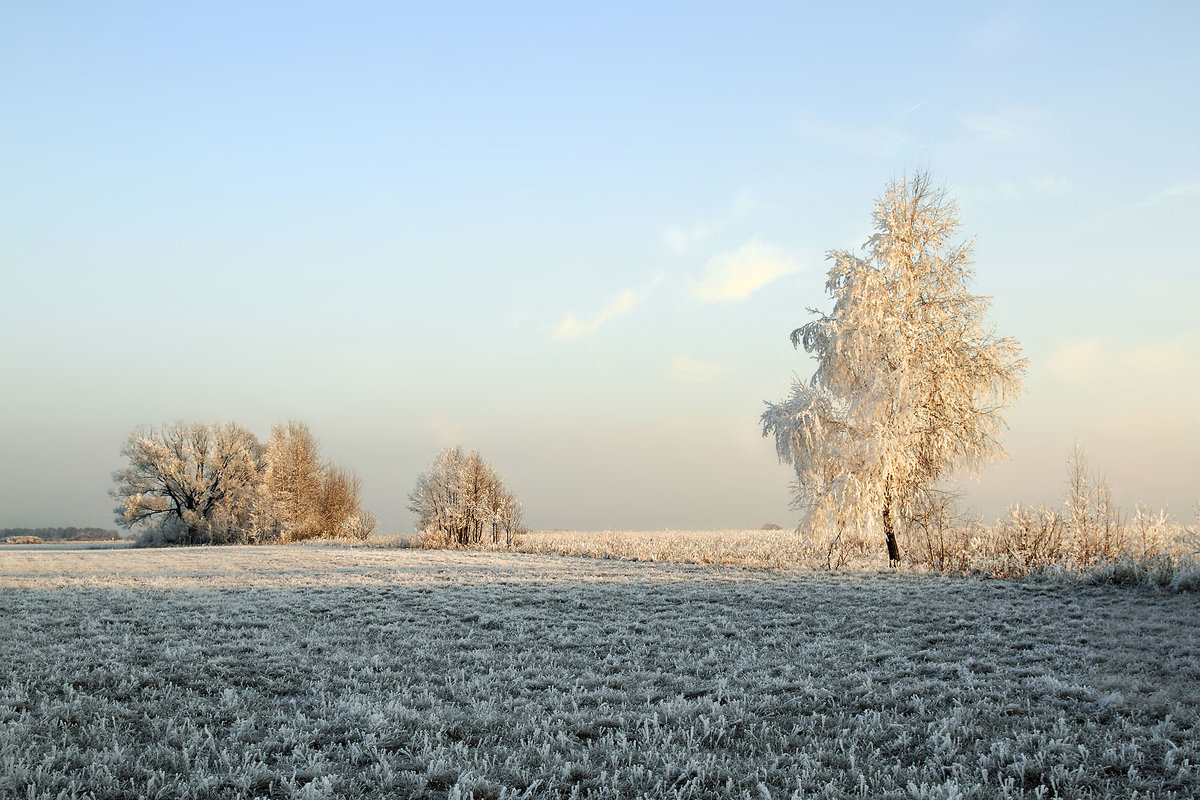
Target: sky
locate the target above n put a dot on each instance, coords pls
(576, 238)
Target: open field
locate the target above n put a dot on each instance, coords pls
(746, 548)
(321, 671)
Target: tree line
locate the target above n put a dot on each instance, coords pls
(200, 483)
(68, 534)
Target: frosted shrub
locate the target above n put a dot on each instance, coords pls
(433, 539)
(1189, 539)
(1029, 539)
(359, 526)
(1149, 548)
(937, 537)
(838, 546)
(1092, 520)
(1165, 570)
(1148, 532)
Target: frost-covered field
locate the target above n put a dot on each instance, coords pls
(749, 548)
(1173, 561)
(323, 671)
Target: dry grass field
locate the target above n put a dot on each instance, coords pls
(321, 671)
(1172, 561)
(775, 549)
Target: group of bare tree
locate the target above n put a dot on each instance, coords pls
(304, 497)
(461, 501)
(197, 483)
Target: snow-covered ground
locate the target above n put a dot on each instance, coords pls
(368, 672)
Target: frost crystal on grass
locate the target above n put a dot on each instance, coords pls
(318, 671)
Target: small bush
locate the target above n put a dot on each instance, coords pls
(359, 526)
(937, 537)
(432, 539)
(1030, 540)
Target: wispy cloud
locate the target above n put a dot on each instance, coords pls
(982, 133)
(1182, 191)
(731, 276)
(573, 327)
(680, 240)
(690, 370)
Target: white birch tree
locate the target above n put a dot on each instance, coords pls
(910, 379)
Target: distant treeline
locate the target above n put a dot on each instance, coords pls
(63, 534)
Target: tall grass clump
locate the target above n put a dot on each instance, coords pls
(1089, 539)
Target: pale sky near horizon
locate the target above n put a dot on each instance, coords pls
(575, 238)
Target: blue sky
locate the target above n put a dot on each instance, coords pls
(575, 238)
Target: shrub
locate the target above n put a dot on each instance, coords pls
(1029, 540)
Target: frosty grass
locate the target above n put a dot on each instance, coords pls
(317, 671)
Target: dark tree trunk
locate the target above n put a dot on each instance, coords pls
(889, 529)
